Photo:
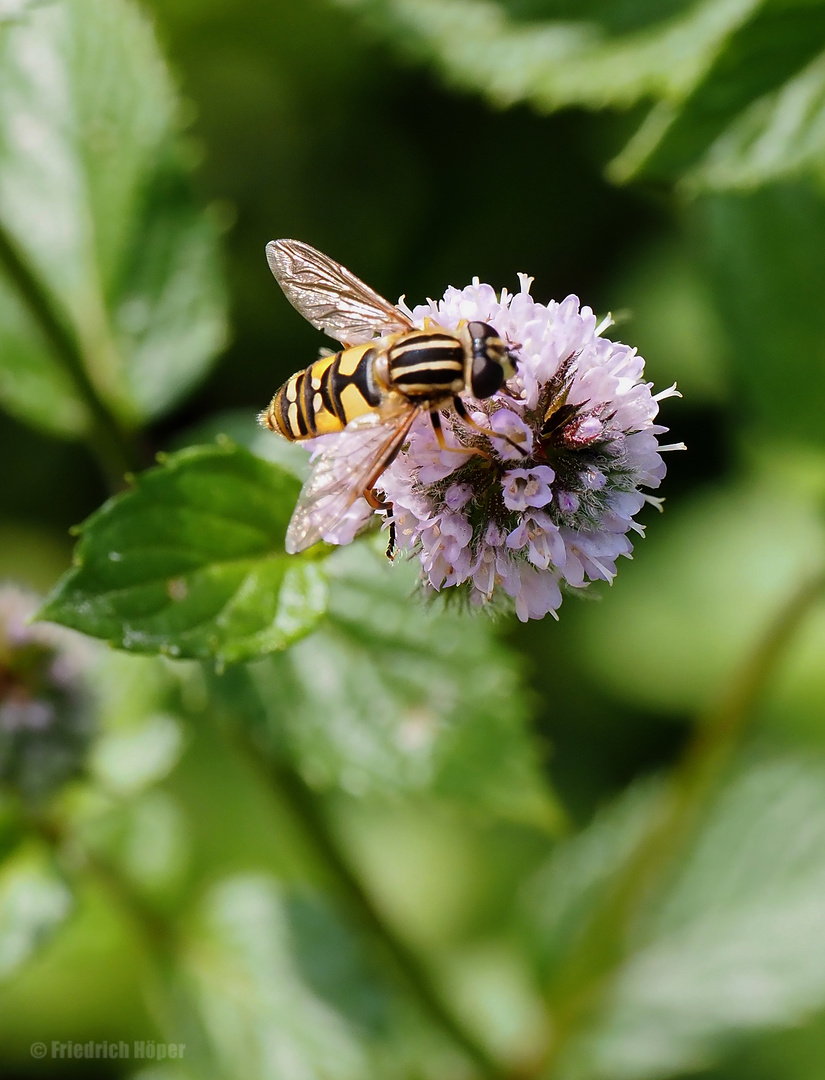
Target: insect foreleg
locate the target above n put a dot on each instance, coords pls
(459, 406)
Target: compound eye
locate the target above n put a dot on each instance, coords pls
(479, 332)
(488, 377)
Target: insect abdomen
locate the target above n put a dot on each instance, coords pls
(426, 365)
(325, 396)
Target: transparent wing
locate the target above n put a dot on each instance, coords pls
(329, 296)
(349, 465)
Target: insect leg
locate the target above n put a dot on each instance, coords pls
(392, 537)
(458, 405)
(377, 503)
(435, 420)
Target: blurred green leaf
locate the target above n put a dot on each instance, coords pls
(34, 901)
(11, 10)
(589, 53)
(737, 943)
(272, 1012)
(737, 86)
(683, 618)
(387, 695)
(129, 760)
(762, 54)
(766, 264)
(569, 889)
(95, 201)
(795, 702)
(673, 322)
(190, 562)
(33, 386)
(777, 136)
(145, 840)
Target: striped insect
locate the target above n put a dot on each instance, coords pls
(373, 389)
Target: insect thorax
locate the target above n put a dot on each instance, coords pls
(426, 365)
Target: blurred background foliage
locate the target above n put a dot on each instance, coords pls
(337, 835)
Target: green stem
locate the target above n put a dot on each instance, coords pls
(307, 809)
(108, 440)
(579, 987)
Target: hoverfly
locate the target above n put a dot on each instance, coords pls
(373, 389)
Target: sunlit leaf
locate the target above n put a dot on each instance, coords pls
(191, 562)
(777, 136)
(389, 696)
(95, 202)
(737, 943)
(284, 987)
(763, 54)
(591, 53)
(736, 87)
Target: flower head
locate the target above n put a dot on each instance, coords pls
(552, 504)
(45, 716)
(547, 499)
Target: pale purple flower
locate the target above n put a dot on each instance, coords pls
(559, 514)
(525, 525)
(45, 717)
(524, 488)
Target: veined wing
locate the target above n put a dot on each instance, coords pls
(350, 465)
(329, 296)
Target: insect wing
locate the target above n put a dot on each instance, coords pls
(331, 297)
(343, 470)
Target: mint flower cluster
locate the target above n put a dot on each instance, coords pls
(547, 501)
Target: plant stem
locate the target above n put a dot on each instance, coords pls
(579, 987)
(108, 440)
(307, 808)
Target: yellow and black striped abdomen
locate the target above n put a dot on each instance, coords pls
(326, 396)
(427, 366)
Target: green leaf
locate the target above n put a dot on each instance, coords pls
(591, 53)
(680, 621)
(12, 10)
(571, 887)
(145, 839)
(766, 51)
(32, 386)
(766, 266)
(777, 136)
(191, 562)
(34, 901)
(285, 990)
(141, 738)
(388, 696)
(96, 203)
(737, 943)
(737, 86)
(127, 761)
